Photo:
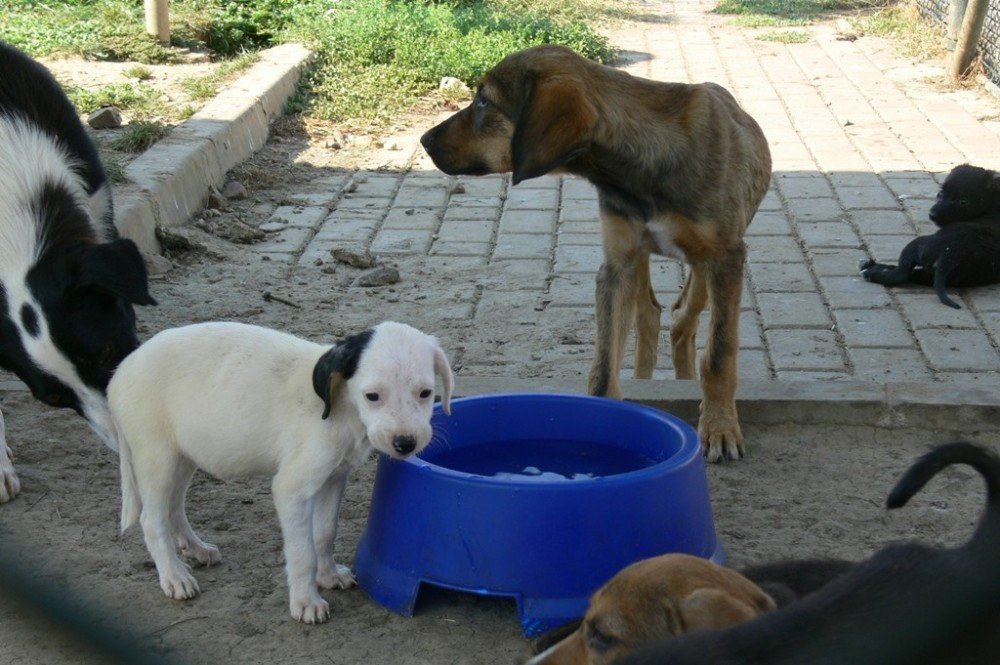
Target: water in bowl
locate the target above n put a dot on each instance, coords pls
(540, 459)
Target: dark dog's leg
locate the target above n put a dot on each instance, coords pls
(889, 275)
(684, 323)
(647, 322)
(615, 302)
(940, 281)
(719, 426)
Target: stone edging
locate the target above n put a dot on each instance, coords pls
(170, 182)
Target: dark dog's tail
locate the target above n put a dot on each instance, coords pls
(925, 468)
(940, 278)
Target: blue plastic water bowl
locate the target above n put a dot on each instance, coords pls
(538, 497)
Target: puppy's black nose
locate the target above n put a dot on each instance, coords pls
(404, 445)
(427, 140)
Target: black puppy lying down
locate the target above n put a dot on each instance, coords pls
(965, 251)
(909, 604)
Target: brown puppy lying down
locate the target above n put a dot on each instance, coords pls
(909, 604)
(666, 595)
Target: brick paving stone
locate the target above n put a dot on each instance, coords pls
(528, 221)
(574, 258)
(450, 248)
(412, 218)
(899, 364)
(836, 261)
(923, 309)
(544, 182)
(572, 290)
(579, 239)
(886, 249)
(401, 241)
(984, 298)
(773, 249)
(291, 240)
(532, 199)
(578, 188)
(576, 226)
(474, 202)
(873, 328)
(882, 222)
(485, 186)
(578, 210)
(804, 349)
(466, 231)
(410, 196)
(363, 203)
(295, 216)
(810, 186)
(781, 277)
(792, 309)
(522, 246)
(337, 227)
(521, 272)
(769, 224)
(853, 292)
(375, 186)
(815, 210)
(828, 234)
(855, 198)
(456, 213)
(959, 350)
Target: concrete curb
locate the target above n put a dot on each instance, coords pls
(170, 182)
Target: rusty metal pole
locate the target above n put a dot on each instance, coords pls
(158, 20)
(968, 38)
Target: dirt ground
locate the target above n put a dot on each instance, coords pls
(805, 491)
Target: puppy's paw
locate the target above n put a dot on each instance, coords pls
(179, 584)
(206, 554)
(310, 608)
(334, 576)
(10, 486)
(865, 264)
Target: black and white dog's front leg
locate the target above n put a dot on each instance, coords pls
(326, 511)
(9, 484)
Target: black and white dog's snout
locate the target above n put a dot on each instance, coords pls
(404, 444)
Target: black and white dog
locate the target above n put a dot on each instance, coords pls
(67, 282)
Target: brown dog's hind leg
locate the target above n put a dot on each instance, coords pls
(647, 322)
(684, 323)
(719, 427)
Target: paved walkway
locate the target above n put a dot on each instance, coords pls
(860, 141)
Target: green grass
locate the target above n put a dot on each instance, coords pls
(374, 58)
(781, 13)
(138, 136)
(138, 72)
(784, 36)
(138, 99)
(913, 35)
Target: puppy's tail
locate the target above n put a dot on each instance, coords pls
(925, 468)
(131, 502)
(940, 279)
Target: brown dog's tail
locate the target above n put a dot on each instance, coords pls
(925, 468)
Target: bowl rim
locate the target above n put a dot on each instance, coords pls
(689, 449)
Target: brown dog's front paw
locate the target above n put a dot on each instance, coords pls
(721, 439)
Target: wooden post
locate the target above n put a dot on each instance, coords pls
(955, 18)
(968, 38)
(158, 20)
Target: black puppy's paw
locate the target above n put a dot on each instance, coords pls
(864, 265)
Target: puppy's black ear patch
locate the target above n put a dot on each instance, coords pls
(337, 366)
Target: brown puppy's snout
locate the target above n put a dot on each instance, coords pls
(427, 140)
(404, 444)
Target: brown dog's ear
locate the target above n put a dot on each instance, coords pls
(555, 125)
(336, 366)
(711, 609)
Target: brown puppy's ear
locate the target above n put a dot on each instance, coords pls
(711, 609)
(555, 126)
(336, 366)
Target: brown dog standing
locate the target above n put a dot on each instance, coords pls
(680, 170)
(667, 595)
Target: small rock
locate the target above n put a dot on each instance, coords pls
(570, 339)
(459, 188)
(358, 258)
(391, 144)
(329, 268)
(318, 262)
(232, 230)
(378, 276)
(156, 265)
(452, 85)
(234, 191)
(106, 117)
(216, 201)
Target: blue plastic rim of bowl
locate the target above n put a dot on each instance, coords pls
(445, 518)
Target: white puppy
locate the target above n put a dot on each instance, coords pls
(238, 400)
